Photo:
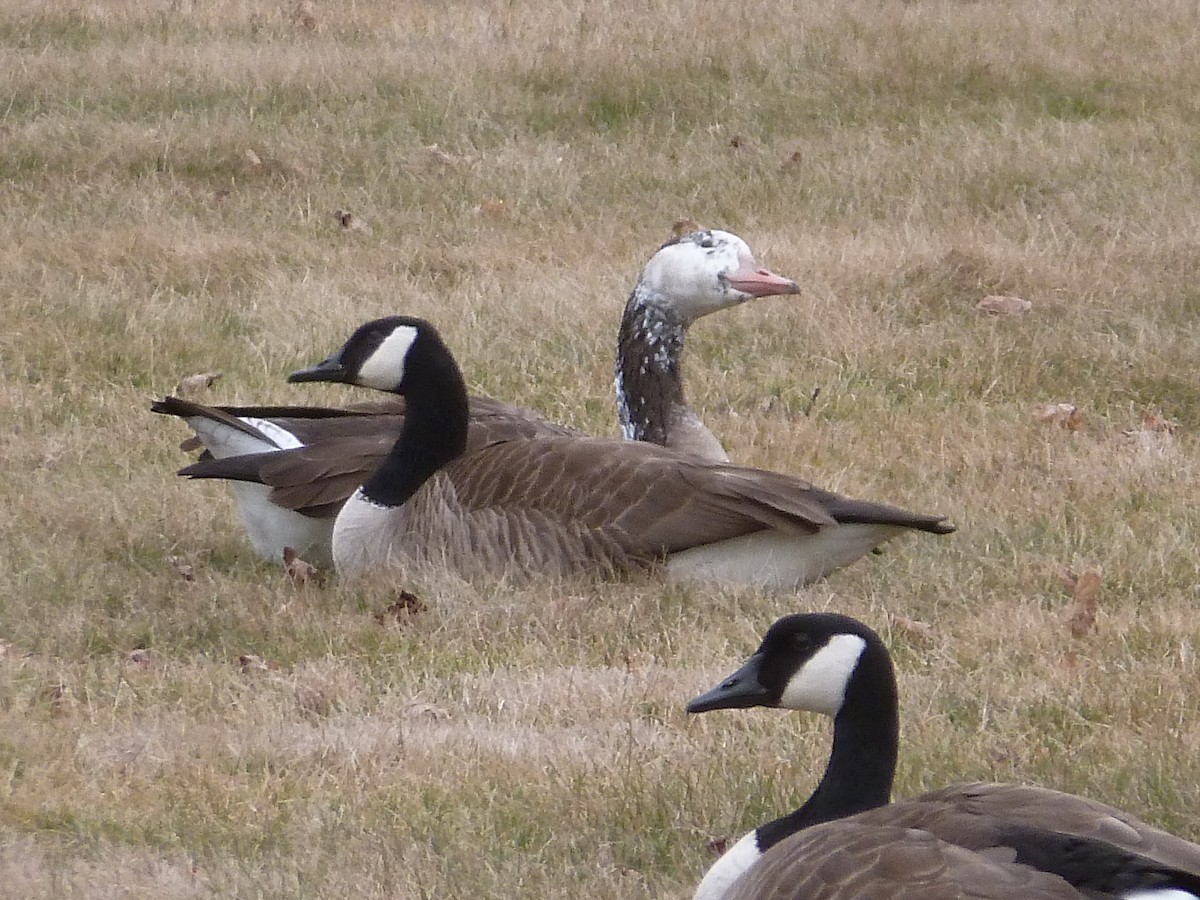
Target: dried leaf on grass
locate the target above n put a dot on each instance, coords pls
(1004, 305)
(1085, 589)
(299, 570)
(918, 631)
(192, 385)
(1155, 430)
(426, 711)
(1154, 421)
(406, 604)
(141, 656)
(493, 207)
(718, 845)
(184, 570)
(351, 222)
(249, 663)
(1064, 415)
(306, 15)
(685, 226)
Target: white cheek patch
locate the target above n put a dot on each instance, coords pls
(383, 370)
(820, 685)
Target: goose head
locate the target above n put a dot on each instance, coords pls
(390, 354)
(819, 662)
(705, 271)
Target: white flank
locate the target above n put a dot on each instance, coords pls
(1159, 894)
(776, 560)
(820, 685)
(383, 370)
(271, 528)
(732, 865)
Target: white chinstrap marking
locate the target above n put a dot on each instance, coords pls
(733, 863)
(820, 685)
(383, 370)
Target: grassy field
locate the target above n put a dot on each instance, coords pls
(169, 173)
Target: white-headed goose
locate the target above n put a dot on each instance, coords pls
(839, 667)
(687, 278)
(558, 505)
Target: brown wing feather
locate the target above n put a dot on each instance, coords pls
(842, 860)
(648, 499)
(969, 813)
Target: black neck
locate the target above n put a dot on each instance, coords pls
(649, 383)
(862, 762)
(433, 434)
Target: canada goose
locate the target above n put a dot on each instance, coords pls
(340, 446)
(837, 666)
(556, 505)
(686, 279)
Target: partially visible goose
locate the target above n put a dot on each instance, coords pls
(558, 505)
(686, 279)
(837, 666)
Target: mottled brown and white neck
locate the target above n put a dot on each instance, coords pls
(649, 383)
(690, 277)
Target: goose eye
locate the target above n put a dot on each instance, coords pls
(801, 642)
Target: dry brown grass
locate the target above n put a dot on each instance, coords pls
(169, 173)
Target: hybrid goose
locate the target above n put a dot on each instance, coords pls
(686, 279)
(849, 840)
(557, 505)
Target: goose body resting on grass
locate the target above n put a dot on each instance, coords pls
(849, 840)
(686, 279)
(559, 505)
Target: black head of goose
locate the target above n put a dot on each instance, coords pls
(837, 666)
(688, 278)
(558, 505)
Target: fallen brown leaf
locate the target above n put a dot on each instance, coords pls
(493, 206)
(351, 222)
(1003, 305)
(184, 570)
(299, 570)
(1064, 415)
(718, 845)
(1082, 615)
(792, 161)
(426, 710)
(405, 605)
(141, 656)
(1154, 421)
(306, 15)
(194, 384)
(684, 226)
(919, 631)
(249, 662)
